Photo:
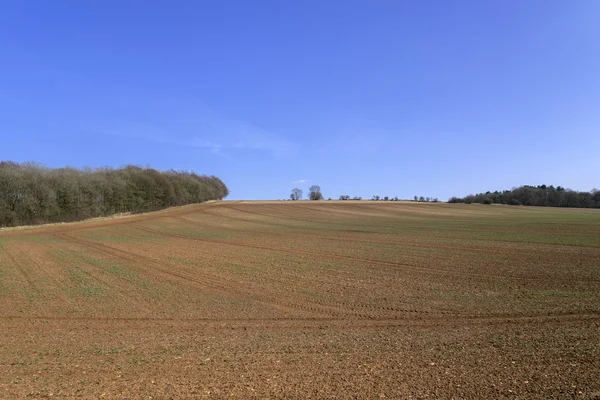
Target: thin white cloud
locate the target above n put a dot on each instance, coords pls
(215, 148)
(197, 126)
(301, 181)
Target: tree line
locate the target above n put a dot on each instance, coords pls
(542, 195)
(313, 194)
(34, 194)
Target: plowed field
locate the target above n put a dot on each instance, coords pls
(305, 300)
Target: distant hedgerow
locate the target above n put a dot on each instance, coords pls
(542, 195)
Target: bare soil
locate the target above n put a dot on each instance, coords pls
(304, 300)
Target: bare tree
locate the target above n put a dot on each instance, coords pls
(315, 193)
(296, 194)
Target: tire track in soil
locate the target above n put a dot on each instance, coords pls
(487, 250)
(478, 319)
(334, 308)
(364, 211)
(314, 253)
(346, 305)
(90, 275)
(388, 264)
(295, 278)
(464, 249)
(384, 309)
(461, 248)
(49, 274)
(457, 248)
(207, 282)
(376, 310)
(123, 289)
(21, 269)
(205, 208)
(381, 211)
(287, 217)
(285, 324)
(371, 206)
(297, 211)
(219, 284)
(244, 211)
(201, 207)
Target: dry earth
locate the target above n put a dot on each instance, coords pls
(305, 300)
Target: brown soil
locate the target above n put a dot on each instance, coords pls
(305, 300)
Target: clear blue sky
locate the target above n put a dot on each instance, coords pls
(397, 98)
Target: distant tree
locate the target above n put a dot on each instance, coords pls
(422, 198)
(344, 197)
(33, 194)
(315, 193)
(427, 198)
(595, 193)
(416, 198)
(386, 198)
(540, 195)
(376, 197)
(357, 198)
(296, 194)
(396, 198)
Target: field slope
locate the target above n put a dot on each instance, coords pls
(305, 300)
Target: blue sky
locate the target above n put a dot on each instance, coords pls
(397, 98)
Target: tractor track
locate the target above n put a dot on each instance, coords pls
(225, 286)
(203, 280)
(335, 310)
(287, 217)
(97, 273)
(461, 249)
(317, 323)
(341, 256)
(21, 270)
